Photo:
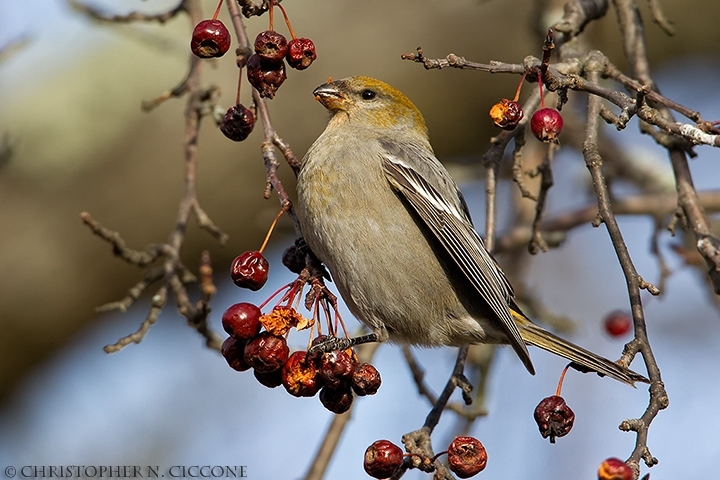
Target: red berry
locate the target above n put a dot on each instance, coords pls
(266, 352)
(269, 379)
(301, 53)
(271, 46)
(614, 469)
(618, 323)
(210, 38)
(242, 320)
(237, 123)
(554, 418)
(506, 114)
(382, 459)
(294, 262)
(250, 270)
(337, 400)
(546, 124)
(365, 379)
(265, 76)
(466, 457)
(336, 368)
(234, 352)
(300, 377)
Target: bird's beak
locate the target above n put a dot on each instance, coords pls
(330, 96)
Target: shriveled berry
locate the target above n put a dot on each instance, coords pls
(210, 38)
(266, 352)
(271, 46)
(269, 379)
(294, 262)
(553, 417)
(234, 353)
(250, 270)
(301, 53)
(614, 469)
(237, 123)
(382, 459)
(242, 320)
(506, 114)
(365, 379)
(546, 124)
(466, 457)
(336, 368)
(300, 376)
(618, 323)
(265, 76)
(337, 400)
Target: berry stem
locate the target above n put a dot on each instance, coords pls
(287, 21)
(272, 227)
(560, 382)
(542, 95)
(237, 94)
(275, 294)
(270, 14)
(217, 10)
(517, 92)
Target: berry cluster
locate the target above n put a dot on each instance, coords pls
(265, 68)
(258, 341)
(466, 458)
(336, 375)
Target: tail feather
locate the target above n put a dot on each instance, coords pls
(535, 335)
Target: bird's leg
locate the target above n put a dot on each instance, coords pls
(332, 344)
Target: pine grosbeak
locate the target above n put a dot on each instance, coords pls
(381, 212)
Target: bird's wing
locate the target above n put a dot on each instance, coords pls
(449, 221)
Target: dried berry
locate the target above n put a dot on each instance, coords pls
(265, 76)
(271, 46)
(294, 262)
(365, 379)
(300, 376)
(269, 379)
(337, 400)
(618, 323)
(242, 320)
(614, 469)
(336, 368)
(210, 38)
(238, 123)
(266, 352)
(250, 270)
(234, 352)
(546, 124)
(301, 53)
(466, 457)
(506, 114)
(382, 459)
(554, 418)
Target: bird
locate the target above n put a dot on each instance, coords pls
(385, 217)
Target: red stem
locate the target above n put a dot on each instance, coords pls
(217, 10)
(560, 382)
(287, 21)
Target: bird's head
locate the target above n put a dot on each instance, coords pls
(369, 102)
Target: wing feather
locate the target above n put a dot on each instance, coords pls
(451, 225)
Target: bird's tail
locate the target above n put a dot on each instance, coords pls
(584, 359)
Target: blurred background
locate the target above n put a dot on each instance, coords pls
(74, 139)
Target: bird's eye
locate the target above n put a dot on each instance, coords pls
(368, 94)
